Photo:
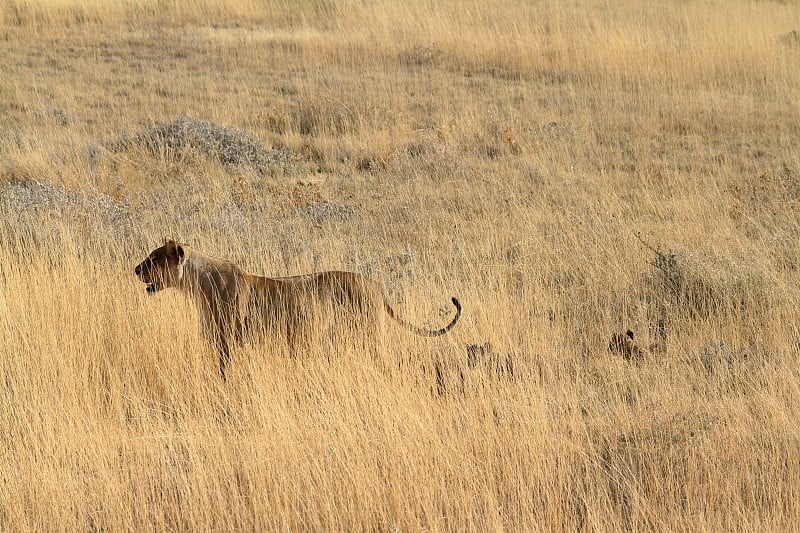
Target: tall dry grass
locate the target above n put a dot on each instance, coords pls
(567, 170)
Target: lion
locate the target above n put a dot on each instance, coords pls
(624, 345)
(235, 306)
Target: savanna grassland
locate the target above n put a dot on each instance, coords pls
(568, 170)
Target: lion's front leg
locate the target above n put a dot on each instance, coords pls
(224, 334)
(223, 350)
(229, 334)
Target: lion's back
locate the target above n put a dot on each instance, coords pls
(308, 294)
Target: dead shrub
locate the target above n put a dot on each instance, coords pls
(700, 287)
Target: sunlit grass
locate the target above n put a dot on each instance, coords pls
(566, 171)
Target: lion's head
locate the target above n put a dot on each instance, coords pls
(624, 345)
(163, 267)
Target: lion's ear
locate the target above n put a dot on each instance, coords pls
(173, 248)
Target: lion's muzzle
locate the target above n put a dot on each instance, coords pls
(145, 277)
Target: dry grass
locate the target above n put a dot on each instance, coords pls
(508, 153)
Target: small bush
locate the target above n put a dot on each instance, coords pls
(701, 288)
(185, 137)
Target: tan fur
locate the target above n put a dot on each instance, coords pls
(235, 306)
(623, 344)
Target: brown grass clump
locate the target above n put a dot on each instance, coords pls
(508, 152)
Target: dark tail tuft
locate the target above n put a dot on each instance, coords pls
(426, 332)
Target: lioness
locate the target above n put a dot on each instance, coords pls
(234, 305)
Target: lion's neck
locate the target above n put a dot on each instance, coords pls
(203, 274)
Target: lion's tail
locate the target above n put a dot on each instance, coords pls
(427, 332)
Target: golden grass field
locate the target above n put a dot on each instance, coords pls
(568, 170)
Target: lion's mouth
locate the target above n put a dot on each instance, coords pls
(152, 288)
